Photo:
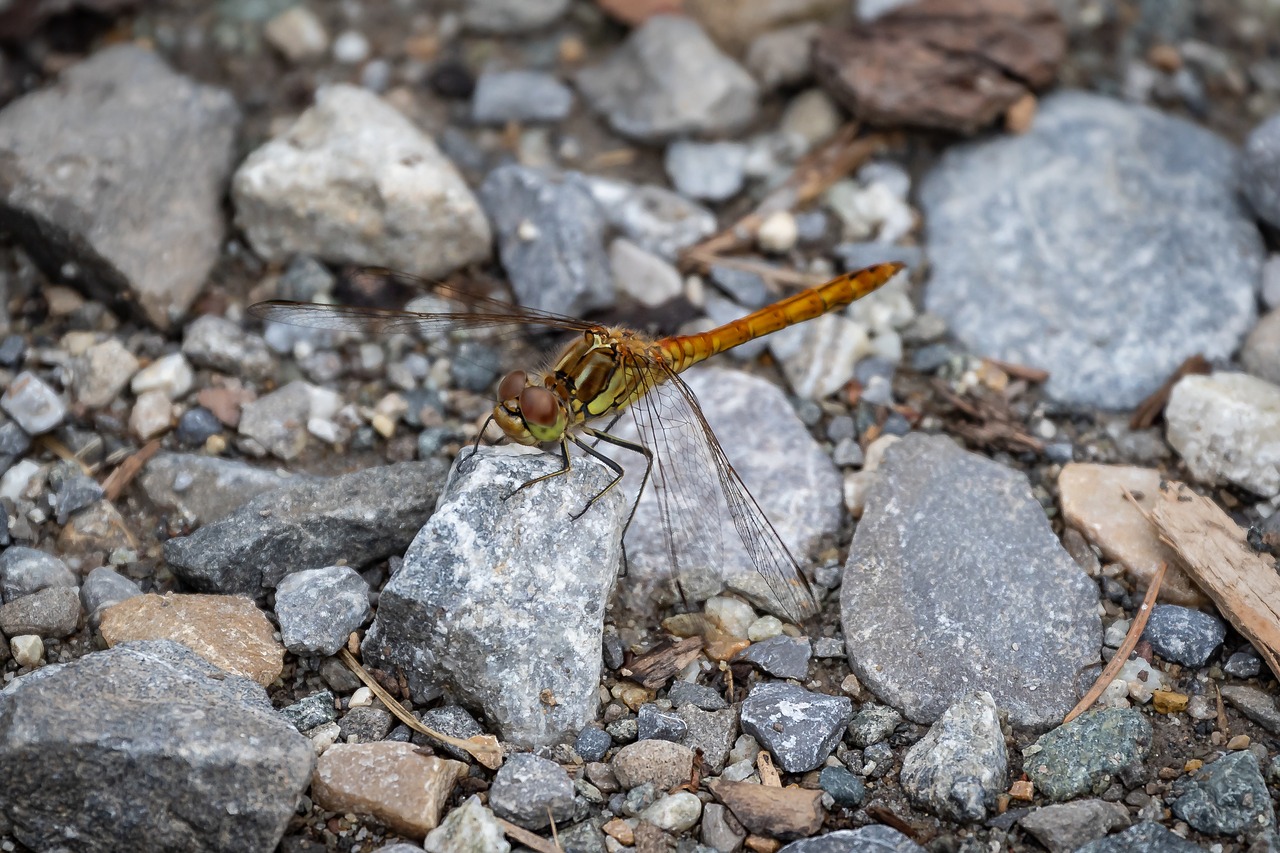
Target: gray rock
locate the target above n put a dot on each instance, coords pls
(73, 494)
(319, 608)
(278, 421)
(720, 830)
(713, 171)
(1145, 837)
(1258, 705)
(550, 238)
(527, 97)
(468, 609)
(1065, 827)
(958, 768)
(203, 489)
(669, 79)
(847, 789)
(712, 732)
(1083, 756)
(314, 710)
(115, 178)
(876, 838)
(783, 57)
(745, 287)
(100, 374)
(51, 612)
(789, 474)
(26, 570)
(799, 727)
(952, 538)
(856, 256)
(652, 723)
(1059, 211)
(873, 724)
(592, 744)
(1226, 427)
(469, 828)
(642, 275)
(655, 219)
(1260, 170)
(780, 656)
(653, 764)
(102, 588)
(173, 753)
(222, 345)
(452, 720)
(1260, 354)
(365, 724)
(508, 17)
(354, 181)
(1243, 664)
(531, 792)
(1226, 797)
(1184, 635)
(35, 406)
(360, 517)
(700, 696)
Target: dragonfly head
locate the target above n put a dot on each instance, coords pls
(528, 414)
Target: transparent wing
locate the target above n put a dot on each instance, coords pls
(695, 488)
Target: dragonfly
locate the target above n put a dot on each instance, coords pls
(603, 372)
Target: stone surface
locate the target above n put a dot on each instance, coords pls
(773, 811)
(531, 792)
(468, 609)
(658, 762)
(1260, 170)
(1058, 211)
(1065, 827)
(1225, 797)
(1094, 503)
(26, 570)
(1183, 635)
(358, 518)
(651, 722)
(712, 732)
(171, 753)
(1260, 354)
(52, 612)
(1084, 756)
(527, 97)
(102, 588)
(1145, 837)
(509, 17)
(875, 838)
(873, 724)
(223, 345)
(391, 781)
(227, 631)
(31, 402)
(642, 275)
(1257, 705)
(799, 727)
(278, 421)
(781, 656)
(204, 489)
(655, 219)
(469, 828)
(711, 171)
(792, 479)
(667, 80)
(952, 539)
(959, 767)
(115, 179)
(1226, 427)
(550, 239)
(354, 181)
(100, 374)
(319, 608)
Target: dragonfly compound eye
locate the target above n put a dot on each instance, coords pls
(511, 385)
(538, 405)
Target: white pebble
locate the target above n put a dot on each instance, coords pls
(27, 649)
(734, 617)
(152, 414)
(351, 48)
(778, 233)
(1116, 633)
(361, 697)
(14, 482)
(764, 628)
(674, 812)
(171, 374)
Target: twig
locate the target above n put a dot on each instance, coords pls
(483, 748)
(767, 271)
(128, 469)
(529, 839)
(1149, 410)
(1019, 371)
(57, 448)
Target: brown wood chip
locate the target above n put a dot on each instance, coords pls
(655, 668)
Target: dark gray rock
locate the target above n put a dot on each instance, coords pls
(196, 425)
(952, 538)
(222, 345)
(713, 171)
(700, 696)
(277, 422)
(114, 179)
(958, 768)
(527, 97)
(314, 710)
(147, 746)
(668, 79)
(74, 494)
(1243, 664)
(360, 517)
(654, 724)
(102, 588)
(551, 238)
(469, 610)
(1059, 210)
(1084, 756)
(319, 608)
(592, 744)
(531, 792)
(873, 724)
(1145, 837)
(876, 838)
(203, 489)
(1183, 635)
(26, 570)
(452, 720)
(710, 731)
(1258, 705)
(52, 612)
(34, 405)
(1227, 797)
(878, 758)
(799, 727)
(365, 724)
(781, 656)
(846, 788)
(1065, 827)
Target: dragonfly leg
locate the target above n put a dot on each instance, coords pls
(634, 447)
(568, 466)
(475, 446)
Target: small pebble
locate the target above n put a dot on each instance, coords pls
(778, 233)
(27, 649)
(351, 48)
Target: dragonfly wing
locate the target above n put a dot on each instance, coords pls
(385, 321)
(695, 489)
